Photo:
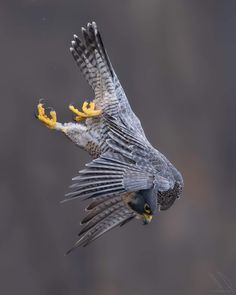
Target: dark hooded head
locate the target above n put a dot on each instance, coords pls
(145, 204)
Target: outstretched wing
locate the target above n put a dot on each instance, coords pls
(110, 174)
(93, 61)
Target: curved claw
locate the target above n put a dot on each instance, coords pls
(51, 121)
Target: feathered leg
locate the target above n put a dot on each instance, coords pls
(77, 132)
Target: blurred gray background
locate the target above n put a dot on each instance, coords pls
(176, 61)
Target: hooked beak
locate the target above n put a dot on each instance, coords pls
(147, 218)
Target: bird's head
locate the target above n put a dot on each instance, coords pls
(143, 204)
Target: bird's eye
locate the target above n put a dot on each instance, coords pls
(147, 208)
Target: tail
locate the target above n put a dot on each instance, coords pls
(92, 59)
(103, 215)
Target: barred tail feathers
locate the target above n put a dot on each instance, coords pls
(102, 217)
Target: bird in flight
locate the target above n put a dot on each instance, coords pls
(127, 178)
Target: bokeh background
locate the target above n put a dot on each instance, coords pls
(176, 61)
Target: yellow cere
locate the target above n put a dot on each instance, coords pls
(147, 217)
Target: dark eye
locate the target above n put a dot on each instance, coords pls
(147, 208)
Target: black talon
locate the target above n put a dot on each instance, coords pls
(48, 110)
(42, 101)
(36, 114)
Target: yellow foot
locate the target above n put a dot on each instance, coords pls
(88, 111)
(51, 121)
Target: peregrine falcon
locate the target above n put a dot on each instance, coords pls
(127, 177)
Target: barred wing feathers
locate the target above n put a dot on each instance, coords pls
(110, 174)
